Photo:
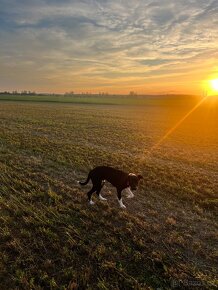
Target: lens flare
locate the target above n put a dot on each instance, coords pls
(168, 133)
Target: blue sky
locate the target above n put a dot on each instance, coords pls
(148, 46)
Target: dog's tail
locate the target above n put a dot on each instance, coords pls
(87, 180)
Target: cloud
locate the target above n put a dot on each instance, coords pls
(58, 45)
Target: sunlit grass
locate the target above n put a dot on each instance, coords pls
(50, 237)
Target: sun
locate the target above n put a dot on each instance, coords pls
(214, 84)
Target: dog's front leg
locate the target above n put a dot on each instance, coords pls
(130, 193)
(120, 199)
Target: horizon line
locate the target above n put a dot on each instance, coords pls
(131, 94)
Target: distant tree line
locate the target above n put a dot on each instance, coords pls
(19, 93)
(71, 93)
(32, 93)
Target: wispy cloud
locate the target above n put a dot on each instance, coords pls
(109, 45)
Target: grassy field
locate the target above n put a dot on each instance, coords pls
(50, 238)
(94, 99)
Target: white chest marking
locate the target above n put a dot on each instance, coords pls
(130, 193)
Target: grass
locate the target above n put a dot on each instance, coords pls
(95, 99)
(75, 99)
(51, 238)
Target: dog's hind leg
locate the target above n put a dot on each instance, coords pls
(98, 191)
(120, 199)
(89, 194)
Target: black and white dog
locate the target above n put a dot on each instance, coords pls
(120, 179)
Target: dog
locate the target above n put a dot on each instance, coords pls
(119, 179)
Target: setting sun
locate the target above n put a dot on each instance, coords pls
(214, 84)
(210, 86)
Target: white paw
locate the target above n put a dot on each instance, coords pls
(101, 197)
(121, 203)
(91, 202)
(130, 196)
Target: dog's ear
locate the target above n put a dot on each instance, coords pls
(139, 177)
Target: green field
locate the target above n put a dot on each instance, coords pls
(77, 99)
(96, 99)
(50, 238)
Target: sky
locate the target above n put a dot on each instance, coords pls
(114, 46)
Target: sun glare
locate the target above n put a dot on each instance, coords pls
(214, 84)
(210, 86)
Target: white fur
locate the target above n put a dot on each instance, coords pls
(121, 203)
(130, 193)
(101, 197)
(132, 174)
(91, 202)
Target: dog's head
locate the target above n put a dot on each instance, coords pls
(133, 180)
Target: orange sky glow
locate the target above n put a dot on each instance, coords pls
(145, 46)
